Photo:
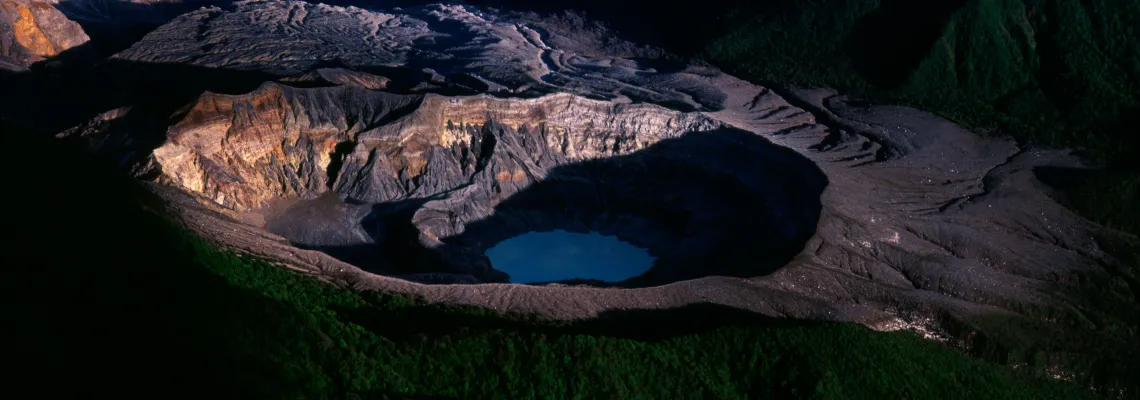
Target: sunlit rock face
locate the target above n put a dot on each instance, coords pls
(31, 31)
(244, 151)
(803, 203)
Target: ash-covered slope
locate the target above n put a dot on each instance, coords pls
(805, 205)
(32, 30)
(431, 48)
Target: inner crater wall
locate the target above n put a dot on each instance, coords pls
(415, 184)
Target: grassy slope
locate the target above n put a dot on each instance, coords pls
(114, 299)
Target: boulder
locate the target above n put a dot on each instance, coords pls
(31, 31)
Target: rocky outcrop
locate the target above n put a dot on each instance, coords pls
(277, 142)
(242, 151)
(32, 30)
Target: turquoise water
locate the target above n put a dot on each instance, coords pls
(559, 255)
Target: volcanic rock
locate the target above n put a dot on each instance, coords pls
(32, 30)
(246, 150)
(339, 76)
(457, 49)
(8, 64)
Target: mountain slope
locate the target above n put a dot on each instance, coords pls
(1060, 72)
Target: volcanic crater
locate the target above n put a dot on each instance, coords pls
(420, 186)
(685, 199)
(406, 142)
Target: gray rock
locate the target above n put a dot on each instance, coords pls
(468, 50)
(339, 76)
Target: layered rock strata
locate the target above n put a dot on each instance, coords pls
(244, 151)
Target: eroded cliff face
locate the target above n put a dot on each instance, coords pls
(279, 142)
(32, 30)
(242, 151)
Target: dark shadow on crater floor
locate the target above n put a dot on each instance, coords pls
(725, 202)
(379, 238)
